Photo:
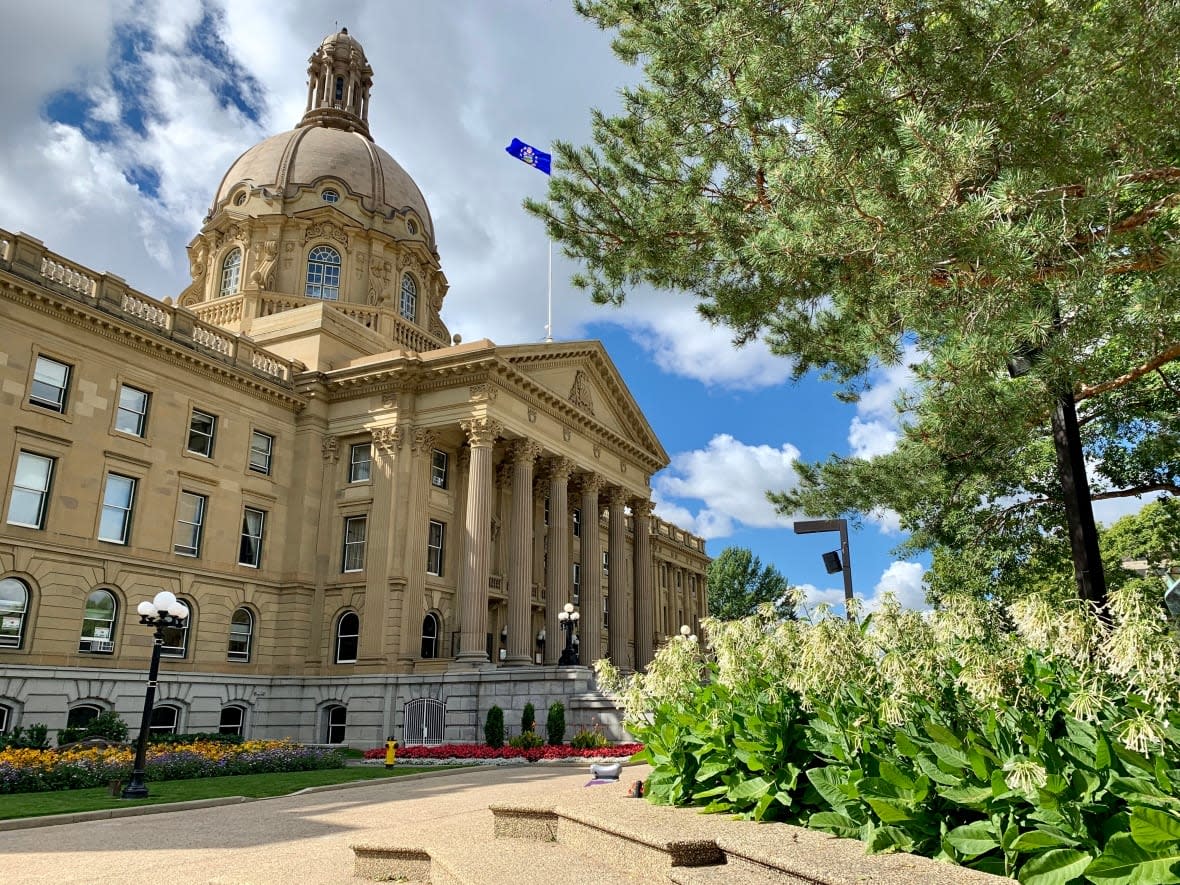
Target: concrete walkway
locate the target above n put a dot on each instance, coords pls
(302, 839)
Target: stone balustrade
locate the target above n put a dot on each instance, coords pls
(28, 258)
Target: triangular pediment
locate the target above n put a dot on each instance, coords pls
(582, 374)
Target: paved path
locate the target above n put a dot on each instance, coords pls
(302, 839)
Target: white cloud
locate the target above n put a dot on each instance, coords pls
(731, 479)
(888, 521)
(875, 430)
(903, 579)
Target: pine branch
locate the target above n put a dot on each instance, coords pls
(1166, 356)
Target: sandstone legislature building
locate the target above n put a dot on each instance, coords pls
(373, 524)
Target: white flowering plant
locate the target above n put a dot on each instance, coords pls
(1039, 740)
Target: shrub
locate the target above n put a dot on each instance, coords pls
(1038, 741)
(555, 723)
(35, 737)
(108, 725)
(526, 740)
(528, 718)
(588, 740)
(493, 728)
(214, 737)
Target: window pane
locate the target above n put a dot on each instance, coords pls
(164, 720)
(29, 490)
(438, 469)
(354, 543)
(14, 603)
(434, 548)
(176, 638)
(200, 433)
(360, 458)
(50, 379)
(190, 515)
(348, 630)
(98, 623)
(231, 271)
(250, 550)
(260, 448)
(132, 414)
(241, 628)
(81, 715)
(116, 509)
(409, 299)
(232, 719)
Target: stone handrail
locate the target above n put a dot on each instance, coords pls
(221, 311)
(27, 257)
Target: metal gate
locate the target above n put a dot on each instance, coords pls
(425, 721)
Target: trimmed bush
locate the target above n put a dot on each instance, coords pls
(35, 737)
(555, 723)
(528, 719)
(107, 725)
(493, 728)
(206, 736)
(526, 740)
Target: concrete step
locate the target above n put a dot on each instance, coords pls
(684, 846)
(522, 860)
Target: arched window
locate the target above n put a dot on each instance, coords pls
(165, 719)
(14, 608)
(82, 715)
(348, 631)
(176, 638)
(430, 633)
(241, 635)
(98, 623)
(335, 723)
(6, 719)
(323, 274)
(409, 303)
(231, 272)
(233, 720)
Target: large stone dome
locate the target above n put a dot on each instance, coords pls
(303, 157)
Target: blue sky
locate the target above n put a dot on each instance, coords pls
(121, 118)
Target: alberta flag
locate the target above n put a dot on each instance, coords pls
(529, 154)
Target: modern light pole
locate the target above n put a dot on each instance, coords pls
(163, 611)
(568, 617)
(835, 561)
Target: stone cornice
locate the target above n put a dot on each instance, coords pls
(79, 313)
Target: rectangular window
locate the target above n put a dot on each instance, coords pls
(577, 585)
(190, 519)
(131, 416)
(605, 613)
(250, 548)
(360, 458)
(546, 514)
(577, 523)
(354, 543)
(51, 380)
(115, 523)
(261, 446)
(30, 490)
(201, 429)
(434, 548)
(606, 562)
(438, 469)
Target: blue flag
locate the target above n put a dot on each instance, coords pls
(529, 154)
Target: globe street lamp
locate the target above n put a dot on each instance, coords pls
(567, 617)
(163, 611)
(687, 634)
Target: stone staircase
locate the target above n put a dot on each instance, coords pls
(598, 836)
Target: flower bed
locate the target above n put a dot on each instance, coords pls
(28, 771)
(479, 752)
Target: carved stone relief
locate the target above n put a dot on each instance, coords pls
(330, 449)
(580, 393)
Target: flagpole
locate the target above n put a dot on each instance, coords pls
(549, 323)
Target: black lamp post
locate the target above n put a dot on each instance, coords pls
(568, 617)
(163, 611)
(835, 561)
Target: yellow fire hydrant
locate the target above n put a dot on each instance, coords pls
(390, 752)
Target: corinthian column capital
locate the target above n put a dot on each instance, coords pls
(482, 432)
(616, 497)
(523, 451)
(642, 507)
(590, 483)
(423, 440)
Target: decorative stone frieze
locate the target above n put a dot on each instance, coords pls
(330, 449)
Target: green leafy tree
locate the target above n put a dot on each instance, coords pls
(738, 583)
(950, 184)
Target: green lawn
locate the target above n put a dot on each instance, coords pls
(252, 785)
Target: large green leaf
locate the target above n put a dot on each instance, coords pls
(831, 784)
(1125, 863)
(1153, 829)
(889, 811)
(974, 839)
(1056, 867)
(1039, 840)
(754, 788)
(950, 756)
(966, 795)
(889, 839)
(835, 823)
(941, 735)
(895, 775)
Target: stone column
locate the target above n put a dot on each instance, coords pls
(417, 526)
(378, 546)
(557, 594)
(473, 580)
(616, 580)
(644, 602)
(590, 628)
(523, 454)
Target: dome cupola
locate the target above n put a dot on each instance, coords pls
(338, 82)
